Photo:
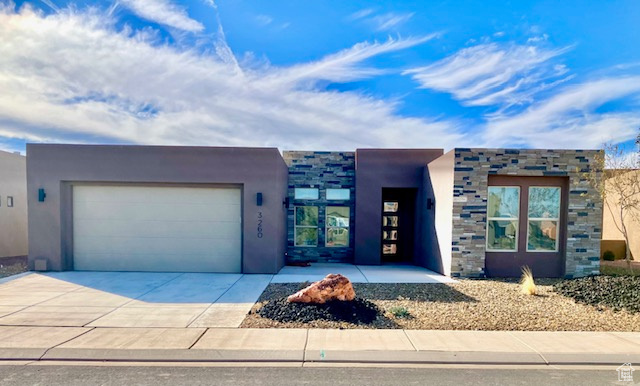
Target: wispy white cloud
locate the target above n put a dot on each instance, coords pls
(382, 22)
(360, 14)
(391, 20)
(264, 19)
(163, 12)
(344, 66)
(72, 76)
(570, 119)
(51, 5)
(538, 38)
(490, 74)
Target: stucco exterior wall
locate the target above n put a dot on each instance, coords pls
(56, 168)
(611, 232)
(387, 168)
(437, 238)
(323, 170)
(13, 220)
(471, 171)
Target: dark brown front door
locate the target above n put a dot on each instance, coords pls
(398, 207)
(526, 226)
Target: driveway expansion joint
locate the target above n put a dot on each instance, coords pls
(61, 343)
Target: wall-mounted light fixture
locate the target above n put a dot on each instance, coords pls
(285, 202)
(10, 201)
(259, 199)
(41, 195)
(429, 203)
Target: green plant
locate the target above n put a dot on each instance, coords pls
(608, 256)
(527, 284)
(400, 312)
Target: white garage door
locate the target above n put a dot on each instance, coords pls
(170, 229)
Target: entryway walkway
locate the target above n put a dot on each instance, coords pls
(386, 273)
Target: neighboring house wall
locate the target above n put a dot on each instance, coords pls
(13, 220)
(321, 170)
(611, 232)
(56, 168)
(472, 169)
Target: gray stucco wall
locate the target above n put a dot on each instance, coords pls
(584, 217)
(13, 220)
(323, 170)
(57, 167)
(387, 168)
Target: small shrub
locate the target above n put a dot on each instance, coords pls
(608, 256)
(400, 312)
(527, 284)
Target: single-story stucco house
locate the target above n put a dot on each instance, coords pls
(464, 213)
(13, 205)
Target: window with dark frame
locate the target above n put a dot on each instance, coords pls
(306, 226)
(503, 209)
(543, 218)
(337, 226)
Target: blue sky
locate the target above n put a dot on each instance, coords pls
(331, 75)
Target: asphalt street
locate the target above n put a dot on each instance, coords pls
(120, 375)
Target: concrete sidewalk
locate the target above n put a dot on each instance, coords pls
(317, 345)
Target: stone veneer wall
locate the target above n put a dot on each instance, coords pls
(472, 168)
(322, 170)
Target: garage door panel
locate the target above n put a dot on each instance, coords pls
(136, 228)
(159, 246)
(157, 212)
(169, 229)
(146, 194)
(164, 263)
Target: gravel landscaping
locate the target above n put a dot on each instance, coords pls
(465, 305)
(617, 292)
(12, 265)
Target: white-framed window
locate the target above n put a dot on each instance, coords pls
(503, 213)
(337, 226)
(543, 218)
(306, 226)
(305, 193)
(338, 194)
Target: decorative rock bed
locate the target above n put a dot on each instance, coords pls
(357, 311)
(465, 305)
(617, 292)
(330, 299)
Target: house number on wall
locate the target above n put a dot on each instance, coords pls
(259, 225)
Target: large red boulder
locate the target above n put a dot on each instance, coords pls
(332, 287)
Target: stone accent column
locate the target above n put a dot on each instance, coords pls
(323, 170)
(471, 171)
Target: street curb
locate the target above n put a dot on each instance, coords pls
(315, 356)
(174, 355)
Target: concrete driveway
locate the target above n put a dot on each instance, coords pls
(129, 299)
(165, 300)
